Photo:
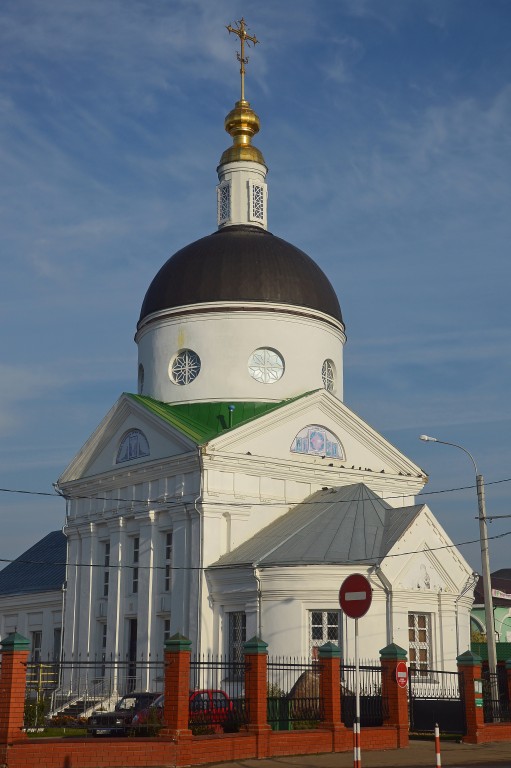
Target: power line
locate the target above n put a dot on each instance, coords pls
(283, 565)
(160, 501)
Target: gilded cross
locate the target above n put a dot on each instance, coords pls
(241, 31)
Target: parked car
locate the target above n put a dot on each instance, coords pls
(207, 707)
(119, 721)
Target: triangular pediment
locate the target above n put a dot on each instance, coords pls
(425, 560)
(153, 439)
(361, 449)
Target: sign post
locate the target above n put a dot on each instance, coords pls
(355, 596)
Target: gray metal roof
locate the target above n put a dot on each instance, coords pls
(40, 569)
(337, 525)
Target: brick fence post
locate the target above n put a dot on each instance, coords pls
(256, 692)
(469, 665)
(13, 680)
(330, 691)
(177, 688)
(396, 697)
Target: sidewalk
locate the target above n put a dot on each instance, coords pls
(418, 754)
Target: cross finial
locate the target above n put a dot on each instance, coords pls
(241, 31)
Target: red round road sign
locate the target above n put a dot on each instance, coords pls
(355, 596)
(401, 674)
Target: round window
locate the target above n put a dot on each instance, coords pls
(266, 365)
(328, 374)
(184, 367)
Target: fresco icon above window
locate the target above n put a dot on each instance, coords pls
(317, 441)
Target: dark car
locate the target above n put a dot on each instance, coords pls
(119, 721)
(208, 707)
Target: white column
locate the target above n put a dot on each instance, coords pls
(147, 580)
(115, 609)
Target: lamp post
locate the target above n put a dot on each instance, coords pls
(485, 557)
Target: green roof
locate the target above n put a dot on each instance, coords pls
(201, 422)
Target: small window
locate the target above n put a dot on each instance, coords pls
(37, 644)
(328, 375)
(136, 552)
(324, 627)
(106, 572)
(133, 445)
(140, 379)
(419, 642)
(266, 365)
(166, 629)
(184, 367)
(224, 202)
(237, 637)
(168, 562)
(317, 441)
(258, 202)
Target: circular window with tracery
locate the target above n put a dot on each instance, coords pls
(328, 375)
(185, 367)
(266, 365)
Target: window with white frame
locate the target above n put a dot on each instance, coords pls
(168, 561)
(324, 627)
(37, 644)
(106, 567)
(237, 635)
(136, 552)
(419, 642)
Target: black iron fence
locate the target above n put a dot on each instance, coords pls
(217, 694)
(496, 706)
(294, 700)
(436, 696)
(67, 694)
(373, 704)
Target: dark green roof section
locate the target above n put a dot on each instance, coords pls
(503, 650)
(202, 422)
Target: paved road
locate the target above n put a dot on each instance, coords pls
(417, 755)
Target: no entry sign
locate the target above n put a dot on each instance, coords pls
(355, 596)
(401, 674)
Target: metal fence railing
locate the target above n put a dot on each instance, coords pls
(294, 700)
(217, 695)
(373, 705)
(67, 693)
(496, 705)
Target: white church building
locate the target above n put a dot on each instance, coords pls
(232, 494)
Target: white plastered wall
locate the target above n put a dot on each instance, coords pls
(225, 340)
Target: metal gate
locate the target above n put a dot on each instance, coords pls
(436, 697)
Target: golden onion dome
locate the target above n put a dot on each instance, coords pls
(242, 124)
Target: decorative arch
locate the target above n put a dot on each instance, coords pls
(133, 445)
(316, 440)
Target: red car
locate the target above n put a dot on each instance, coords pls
(208, 707)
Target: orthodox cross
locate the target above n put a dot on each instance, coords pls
(241, 31)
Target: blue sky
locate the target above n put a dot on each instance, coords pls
(385, 125)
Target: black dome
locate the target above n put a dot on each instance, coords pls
(241, 263)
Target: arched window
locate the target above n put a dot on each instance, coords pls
(317, 441)
(133, 445)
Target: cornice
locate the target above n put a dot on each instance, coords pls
(228, 308)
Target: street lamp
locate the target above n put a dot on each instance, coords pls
(485, 557)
